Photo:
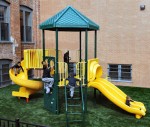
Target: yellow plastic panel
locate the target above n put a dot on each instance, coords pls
(34, 57)
(94, 69)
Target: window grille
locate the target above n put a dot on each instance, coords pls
(120, 72)
(4, 72)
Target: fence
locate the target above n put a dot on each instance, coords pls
(16, 123)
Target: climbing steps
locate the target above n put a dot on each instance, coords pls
(74, 107)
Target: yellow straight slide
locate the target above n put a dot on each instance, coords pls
(28, 87)
(112, 92)
(115, 95)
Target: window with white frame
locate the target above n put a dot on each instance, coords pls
(120, 72)
(26, 24)
(4, 72)
(4, 21)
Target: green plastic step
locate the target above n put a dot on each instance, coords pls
(76, 91)
(75, 121)
(74, 105)
(74, 113)
(76, 98)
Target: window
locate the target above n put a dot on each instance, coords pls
(26, 24)
(4, 21)
(4, 72)
(120, 72)
(30, 73)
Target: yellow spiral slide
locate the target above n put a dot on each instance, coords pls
(112, 92)
(28, 87)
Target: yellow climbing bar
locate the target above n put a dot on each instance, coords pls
(80, 72)
(62, 72)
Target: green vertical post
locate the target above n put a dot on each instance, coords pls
(95, 46)
(86, 54)
(95, 55)
(43, 36)
(80, 46)
(56, 70)
(86, 67)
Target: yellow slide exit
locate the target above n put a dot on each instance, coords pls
(112, 92)
(28, 87)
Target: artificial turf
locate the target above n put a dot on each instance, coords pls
(101, 112)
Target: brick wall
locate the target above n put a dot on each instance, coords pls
(123, 37)
(13, 50)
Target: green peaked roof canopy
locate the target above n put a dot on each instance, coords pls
(69, 19)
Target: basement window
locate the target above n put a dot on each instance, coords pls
(120, 72)
(4, 72)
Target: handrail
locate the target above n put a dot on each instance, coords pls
(66, 96)
(82, 96)
(83, 105)
(66, 102)
(80, 72)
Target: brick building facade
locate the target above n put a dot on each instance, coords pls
(18, 31)
(123, 39)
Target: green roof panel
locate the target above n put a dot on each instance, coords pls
(69, 19)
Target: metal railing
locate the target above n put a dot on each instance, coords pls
(16, 123)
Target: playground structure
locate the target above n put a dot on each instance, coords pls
(89, 71)
(112, 92)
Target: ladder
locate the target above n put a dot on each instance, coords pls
(74, 106)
